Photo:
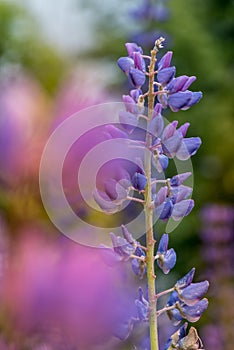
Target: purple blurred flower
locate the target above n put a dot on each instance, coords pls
(22, 128)
(63, 286)
(148, 11)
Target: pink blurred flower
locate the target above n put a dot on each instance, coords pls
(65, 293)
(23, 112)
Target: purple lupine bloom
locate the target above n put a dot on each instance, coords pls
(133, 65)
(182, 208)
(179, 340)
(121, 246)
(139, 267)
(193, 313)
(139, 181)
(179, 193)
(133, 47)
(129, 118)
(177, 180)
(128, 236)
(193, 293)
(166, 258)
(165, 75)
(164, 210)
(176, 205)
(156, 125)
(139, 62)
(136, 77)
(182, 310)
(105, 202)
(142, 306)
(181, 83)
(165, 61)
(128, 121)
(125, 63)
(186, 280)
(176, 96)
(174, 338)
(171, 142)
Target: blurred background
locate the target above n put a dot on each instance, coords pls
(57, 58)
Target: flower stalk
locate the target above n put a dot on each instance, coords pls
(161, 199)
(150, 240)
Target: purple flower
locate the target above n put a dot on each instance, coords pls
(136, 77)
(128, 236)
(165, 61)
(182, 310)
(176, 337)
(128, 121)
(133, 65)
(182, 208)
(181, 83)
(185, 280)
(161, 196)
(193, 313)
(175, 205)
(133, 47)
(142, 306)
(177, 180)
(179, 340)
(138, 266)
(161, 162)
(104, 202)
(176, 96)
(125, 63)
(180, 193)
(183, 100)
(139, 62)
(139, 181)
(148, 11)
(164, 210)
(165, 75)
(171, 142)
(191, 294)
(188, 147)
(121, 246)
(166, 258)
(156, 125)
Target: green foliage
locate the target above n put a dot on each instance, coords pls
(20, 44)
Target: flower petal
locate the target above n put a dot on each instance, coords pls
(125, 63)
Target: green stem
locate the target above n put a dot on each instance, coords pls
(150, 241)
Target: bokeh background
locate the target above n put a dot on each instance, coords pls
(59, 57)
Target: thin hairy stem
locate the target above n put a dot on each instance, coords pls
(150, 241)
(164, 292)
(165, 309)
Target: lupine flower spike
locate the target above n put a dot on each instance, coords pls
(161, 199)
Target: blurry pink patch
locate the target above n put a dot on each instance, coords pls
(65, 287)
(23, 112)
